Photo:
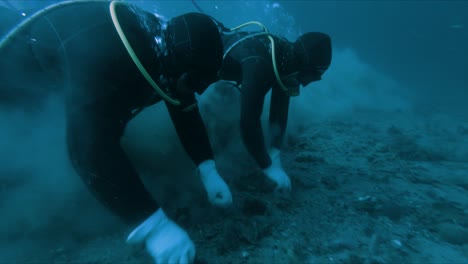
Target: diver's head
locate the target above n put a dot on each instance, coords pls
(313, 52)
(195, 49)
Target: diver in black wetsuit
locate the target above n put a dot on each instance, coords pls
(115, 59)
(249, 62)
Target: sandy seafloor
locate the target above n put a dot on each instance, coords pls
(368, 187)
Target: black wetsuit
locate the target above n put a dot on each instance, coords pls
(103, 87)
(249, 63)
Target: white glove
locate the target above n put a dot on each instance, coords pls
(276, 173)
(217, 190)
(165, 241)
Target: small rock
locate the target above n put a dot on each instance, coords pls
(396, 243)
(308, 158)
(452, 233)
(367, 204)
(342, 244)
(254, 206)
(330, 182)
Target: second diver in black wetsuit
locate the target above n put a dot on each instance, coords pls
(249, 62)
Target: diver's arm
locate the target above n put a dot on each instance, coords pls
(194, 137)
(255, 85)
(191, 131)
(279, 110)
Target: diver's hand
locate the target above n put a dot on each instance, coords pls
(276, 173)
(217, 190)
(165, 241)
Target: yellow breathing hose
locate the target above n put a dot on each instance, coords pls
(250, 23)
(273, 55)
(134, 56)
(275, 67)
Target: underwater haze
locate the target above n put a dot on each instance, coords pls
(377, 150)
